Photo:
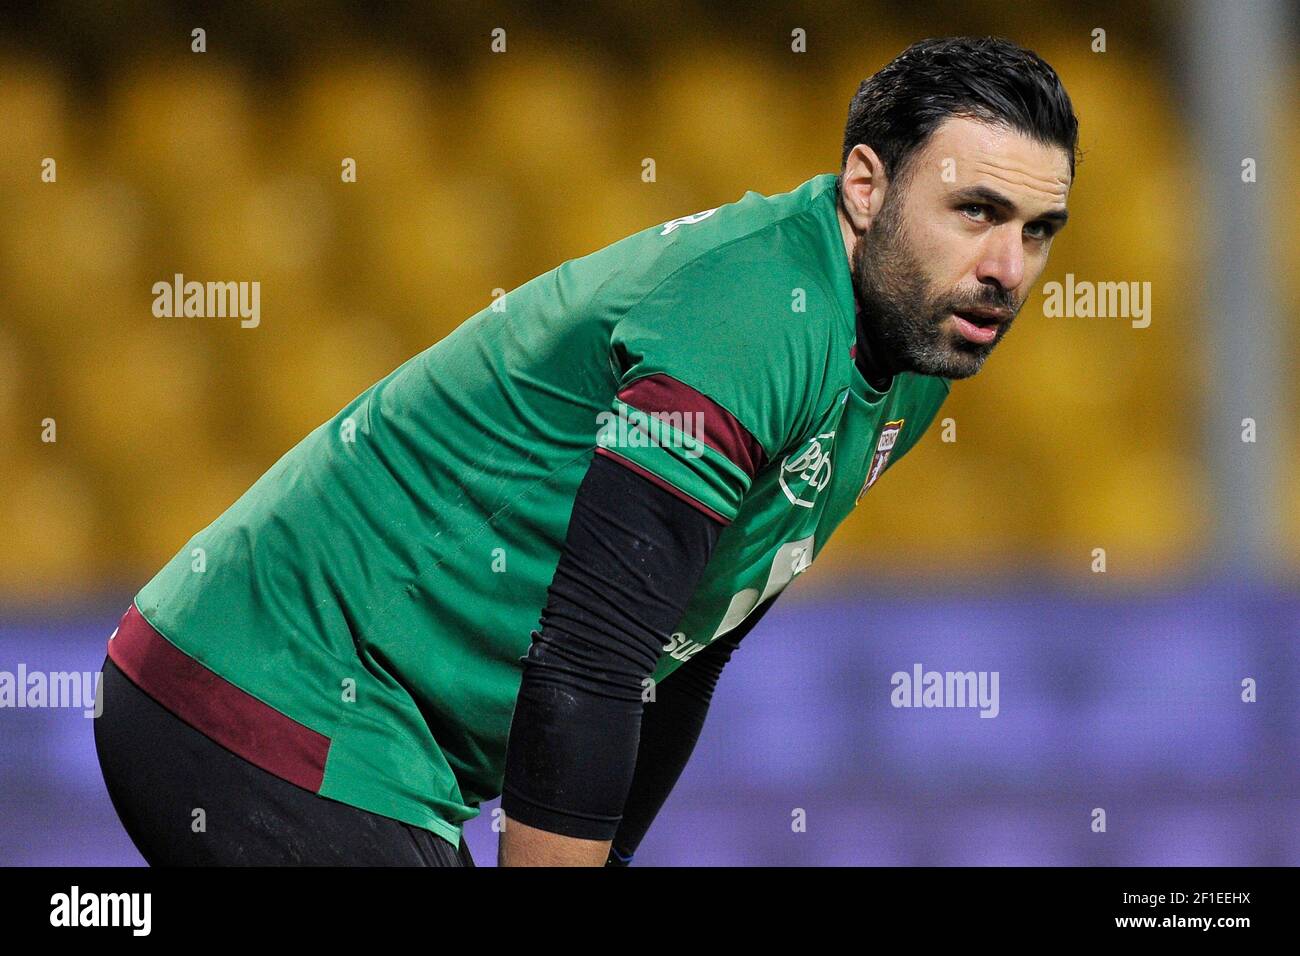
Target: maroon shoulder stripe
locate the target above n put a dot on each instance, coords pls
(655, 479)
(660, 393)
(217, 708)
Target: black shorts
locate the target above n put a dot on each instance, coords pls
(187, 801)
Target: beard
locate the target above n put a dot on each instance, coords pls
(902, 318)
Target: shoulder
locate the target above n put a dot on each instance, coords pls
(739, 304)
(756, 277)
(757, 247)
(759, 342)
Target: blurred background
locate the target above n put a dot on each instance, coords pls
(477, 170)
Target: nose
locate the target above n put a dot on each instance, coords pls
(1003, 260)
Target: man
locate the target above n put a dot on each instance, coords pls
(646, 445)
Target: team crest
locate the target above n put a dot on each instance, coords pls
(880, 461)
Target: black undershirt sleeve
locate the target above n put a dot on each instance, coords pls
(633, 556)
(670, 728)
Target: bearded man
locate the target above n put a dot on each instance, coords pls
(518, 564)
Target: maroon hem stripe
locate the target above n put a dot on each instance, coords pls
(666, 486)
(215, 707)
(660, 393)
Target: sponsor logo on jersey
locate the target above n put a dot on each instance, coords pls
(884, 448)
(688, 220)
(790, 560)
(682, 648)
(807, 472)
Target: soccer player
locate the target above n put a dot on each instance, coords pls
(517, 564)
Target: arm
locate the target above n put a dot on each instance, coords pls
(633, 556)
(670, 728)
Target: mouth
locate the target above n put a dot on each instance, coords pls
(979, 325)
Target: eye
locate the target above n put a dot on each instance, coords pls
(975, 210)
(1039, 230)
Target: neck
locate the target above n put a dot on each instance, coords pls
(878, 376)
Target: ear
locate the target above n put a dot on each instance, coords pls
(862, 187)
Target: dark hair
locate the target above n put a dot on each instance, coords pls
(987, 78)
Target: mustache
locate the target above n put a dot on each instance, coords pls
(989, 298)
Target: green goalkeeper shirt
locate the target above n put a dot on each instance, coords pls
(378, 586)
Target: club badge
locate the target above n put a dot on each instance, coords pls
(888, 438)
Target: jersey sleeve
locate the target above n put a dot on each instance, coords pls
(718, 370)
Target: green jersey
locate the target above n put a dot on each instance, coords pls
(369, 599)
